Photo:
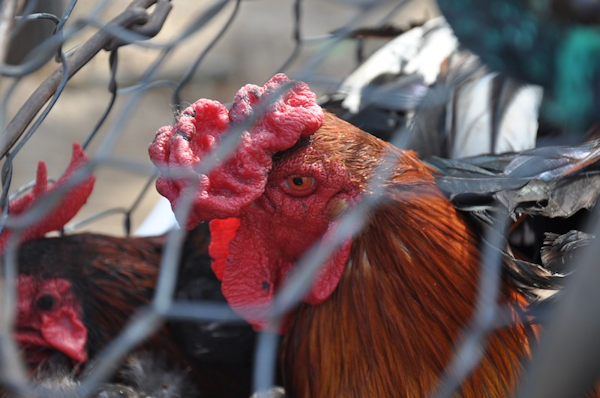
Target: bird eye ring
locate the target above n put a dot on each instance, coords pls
(299, 185)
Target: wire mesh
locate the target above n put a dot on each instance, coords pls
(117, 72)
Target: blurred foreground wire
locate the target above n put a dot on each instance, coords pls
(162, 33)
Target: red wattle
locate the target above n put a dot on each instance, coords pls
(331, 272)
(257, 270)
(222, 233)
(65, 332)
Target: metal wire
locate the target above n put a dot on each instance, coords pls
(117, 35)
(186, 78)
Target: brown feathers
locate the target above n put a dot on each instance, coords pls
(409, 290)
(112, 277)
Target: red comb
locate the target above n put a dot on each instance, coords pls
(63, 211)
(285, 111)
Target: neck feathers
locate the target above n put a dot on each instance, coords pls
(391, 326)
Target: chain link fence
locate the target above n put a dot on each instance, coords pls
(108, 74)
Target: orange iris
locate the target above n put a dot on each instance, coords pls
(299, 184)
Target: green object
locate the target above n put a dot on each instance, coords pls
(562, 57)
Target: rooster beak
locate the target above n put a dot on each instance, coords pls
(64, 331)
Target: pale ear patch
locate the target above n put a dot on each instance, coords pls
(337, 209)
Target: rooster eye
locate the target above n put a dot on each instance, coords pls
(45, 303)
(298, 186)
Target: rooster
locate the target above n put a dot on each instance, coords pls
(55, 274)
(386, 310)
(100, 282)
(77, 292)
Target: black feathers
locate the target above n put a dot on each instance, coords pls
(143, 375)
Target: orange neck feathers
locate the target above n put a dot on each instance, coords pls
(391, 326)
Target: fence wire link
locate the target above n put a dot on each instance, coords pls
(136, 25)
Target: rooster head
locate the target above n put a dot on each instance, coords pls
(295, 170)
(48, 315)
(49, 319)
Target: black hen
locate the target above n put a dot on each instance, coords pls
(77, 292)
